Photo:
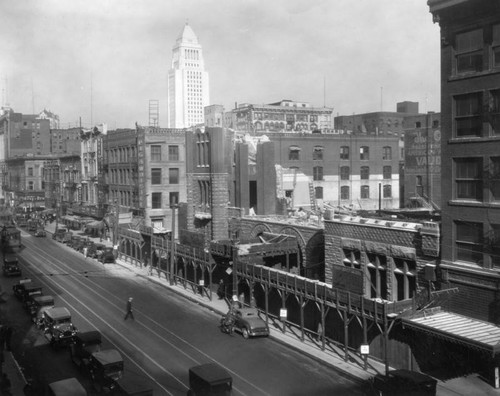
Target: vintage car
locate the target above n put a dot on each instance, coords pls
(57, 326)
(403, 382)
(209, 379)
(95, 250)
(65, 387)
(107, 256)
(105, 367)
(11, 266)
(40, 232)
(18, 288)
(67, 237)
(248, 322)
(38, 306)
(30, 291)
(83, 346)
(59, 234)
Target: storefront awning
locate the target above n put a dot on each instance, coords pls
(474, 333)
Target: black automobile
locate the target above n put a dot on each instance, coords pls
(403, 382)
(209, 379)
(107, 256)
(11, 266)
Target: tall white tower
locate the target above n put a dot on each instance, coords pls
(188, 91)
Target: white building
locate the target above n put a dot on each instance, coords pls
(188, 89)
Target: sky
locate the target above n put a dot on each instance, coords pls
(102, 61)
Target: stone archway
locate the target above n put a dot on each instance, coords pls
(315, 257)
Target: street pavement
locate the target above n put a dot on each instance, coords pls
(469, 385)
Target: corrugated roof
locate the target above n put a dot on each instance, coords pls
(459, 328)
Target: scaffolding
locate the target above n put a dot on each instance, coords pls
(154, 113)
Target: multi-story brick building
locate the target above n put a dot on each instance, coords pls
(470, 114)
(283, 116)
(360, 172)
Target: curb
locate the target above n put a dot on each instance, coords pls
(344, 373)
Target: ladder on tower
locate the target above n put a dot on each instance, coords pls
(312, 196)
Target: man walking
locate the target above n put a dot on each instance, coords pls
(129, 309)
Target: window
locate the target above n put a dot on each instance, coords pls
(468, 242)
(156, 200)
(365, 192)
(364, 153)
(155, 153)
(173, 198)
(173, 153)
(494, 110)
(468, 117)
(387, 191)
(405, 275)
(496, 46)
(495, 179)
(365, 172)
(377, 275)
(469, 51)
(156, 176)
(344, 153)
(495, 245)
(352, 258)
(173, 176)
(387, 172)
(317, 173)
(294, 153)
(31, 185)
(30, 171)
(387, 153)
(318, 192)
(318, 153)
(344, 192)
(468, 181)
(344, 173)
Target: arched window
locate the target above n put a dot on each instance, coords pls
(387, 191)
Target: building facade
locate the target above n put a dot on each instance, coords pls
(283, 116)
(470, 113)
(188, 83)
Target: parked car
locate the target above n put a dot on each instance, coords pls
(11, 266)
(67, 237)
(18, 288)
(83, 346)
(249, 323)
(28, 290)
(58, 328)
(403, 382)
(209, 379)
(95, 250)
(107, 256)
(37, 308)
(133, 384)
(65, 387)
(106, 367)
(59, 234)
(40, 232)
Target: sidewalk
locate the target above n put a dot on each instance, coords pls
(466, 386)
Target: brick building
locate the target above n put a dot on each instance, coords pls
(470, 113)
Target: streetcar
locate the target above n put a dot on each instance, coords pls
(10, 238)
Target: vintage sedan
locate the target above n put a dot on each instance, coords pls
(249, 323)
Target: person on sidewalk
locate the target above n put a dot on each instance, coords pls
(129, 310)
(221, 290)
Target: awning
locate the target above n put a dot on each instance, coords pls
(474, 333)
(99, 225)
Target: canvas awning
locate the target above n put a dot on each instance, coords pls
(474, 333)
(98, 225)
